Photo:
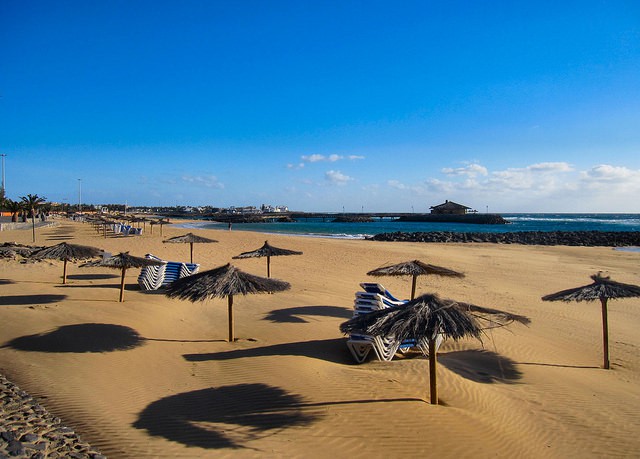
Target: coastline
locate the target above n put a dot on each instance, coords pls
(543, 223)
(531, 391)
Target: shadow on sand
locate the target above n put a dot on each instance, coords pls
(128, 287)
(21, 300)
(92, 276)
(224, 417)
(481, 366)
(558, 365)
(292, 315)
(80, 338)
(330, 350)
(236, 414)
(90, 337)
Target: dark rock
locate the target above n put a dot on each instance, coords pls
(30, 438)
(7, 435)
(570, 238)
(15, 448)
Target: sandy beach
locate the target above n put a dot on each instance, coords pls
(154, 377)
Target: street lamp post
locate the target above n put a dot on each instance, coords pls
(79, 195)
(4, 190)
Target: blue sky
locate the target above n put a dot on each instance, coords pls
(382, 106)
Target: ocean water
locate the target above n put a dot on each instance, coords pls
(518, 222)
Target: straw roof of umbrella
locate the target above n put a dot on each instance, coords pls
(66, 252)
(190, 239)
(224, 281)
(414, 268)
(603, 289)
(268, 251)
(124, 261)
(430, 315)
(426, 317)
(11, 249)
(160, 222)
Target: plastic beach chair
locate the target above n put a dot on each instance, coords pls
(376, 297)
(155, 277)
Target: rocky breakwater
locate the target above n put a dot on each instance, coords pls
(27, 430)
(573, 238)
(353, 219)
(476, 219)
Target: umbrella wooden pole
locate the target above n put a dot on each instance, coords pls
(413, 287)
(33, 224)
(268, 266)
(230, 309)
(64, 272)
(124, 270)
(433, 390)
(191, 247)
(605, 334)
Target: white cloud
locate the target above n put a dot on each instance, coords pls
(295, 166)
(337, 177)
(614, 182)
(318, 158)
(606, 172)
(470, 170)
(440, 186)
(397, 185)
(331, 158)
(550, 167)
(208, 181)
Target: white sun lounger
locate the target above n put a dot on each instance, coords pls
(376, 297)
(155, 277)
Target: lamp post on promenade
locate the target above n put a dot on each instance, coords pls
(79, 195)
(4, 190)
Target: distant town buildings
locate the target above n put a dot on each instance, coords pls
(242, 210)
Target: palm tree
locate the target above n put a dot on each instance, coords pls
(14, 207)
(31, 203)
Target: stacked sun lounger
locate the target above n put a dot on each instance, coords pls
(373, 298)
(126, 230)
(155, 277)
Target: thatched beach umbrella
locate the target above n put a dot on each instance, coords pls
(603, 289)
(191, 239)
(267, 251)
(101, 224)
(414, 268)
(425, 318)
(144, 221)
(224, 281)
(160, 222)
(66, 252)
(124, 261)
(11, 249)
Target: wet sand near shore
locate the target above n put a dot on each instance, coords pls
(155, 377)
